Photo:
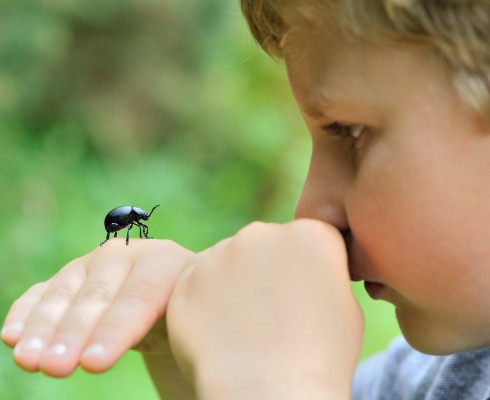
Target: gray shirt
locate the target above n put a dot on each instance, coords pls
(402, 373)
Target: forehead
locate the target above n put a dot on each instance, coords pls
(316, 68)
(325, 72)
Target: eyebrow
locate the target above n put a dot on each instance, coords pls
(313, 112)
(319, 103)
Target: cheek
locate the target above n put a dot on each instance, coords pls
(417, 225)
(408, 225)
(388, 226)
(423, 227)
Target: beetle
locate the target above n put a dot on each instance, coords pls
(126, 216)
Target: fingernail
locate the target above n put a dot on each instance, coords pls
(12, 327)
(58, 349)
(94, 350)
(33, 344)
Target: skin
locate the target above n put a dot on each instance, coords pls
(272, 305)
(275, 314)
(411, 192)
(114, 298)
(95, 308)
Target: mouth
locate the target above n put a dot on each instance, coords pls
(360, 268)
(374, 289)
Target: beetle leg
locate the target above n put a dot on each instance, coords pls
(127, 236)
(106, 239)
(145, 230)
(139, 224)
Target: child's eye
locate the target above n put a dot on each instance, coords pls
(344, 131)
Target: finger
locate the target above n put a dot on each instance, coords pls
(16, 318)
(106, 276)
(44, 317)
(156, 341)
(140, 304)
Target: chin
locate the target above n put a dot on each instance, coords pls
(429, 337)
(437, 347)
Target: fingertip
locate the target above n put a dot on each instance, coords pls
(58, 361)
(57, 367)
(28, 353)
(57, 372)
(12, 332)
(97, 358)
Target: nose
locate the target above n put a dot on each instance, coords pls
(324, 191)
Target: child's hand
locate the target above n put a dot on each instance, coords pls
(268, 313)
(95, 308)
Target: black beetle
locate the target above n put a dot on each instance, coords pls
(126, 216)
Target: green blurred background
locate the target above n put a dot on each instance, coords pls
(106, 103)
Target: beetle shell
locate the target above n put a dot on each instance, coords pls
(120, 217)
(125, 217)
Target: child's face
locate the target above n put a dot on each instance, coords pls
(413, 188)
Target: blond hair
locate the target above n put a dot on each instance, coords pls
(457, 30)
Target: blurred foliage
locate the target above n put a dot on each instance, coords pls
(106, 103)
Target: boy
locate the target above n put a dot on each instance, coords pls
(395, 95)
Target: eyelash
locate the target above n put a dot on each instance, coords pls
(344, 131)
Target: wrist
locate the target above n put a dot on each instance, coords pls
(266, 385)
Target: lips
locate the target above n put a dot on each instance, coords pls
(374, 289)
(360, 269)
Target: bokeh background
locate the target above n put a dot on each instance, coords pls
(114, 102)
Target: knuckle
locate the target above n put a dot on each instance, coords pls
(112, 243)
(321, 240)
(252, 230)
(167, 245)
(110, 324)
(317, 230)
(73, 266)
(38, 288)
(140, 292)
(73, 325)
(32, 294)
(97, 291)
(58, 293)
(19, 304)
(160, 246)
(173, 253)
(256, 226)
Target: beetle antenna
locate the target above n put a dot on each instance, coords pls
(158, 205)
